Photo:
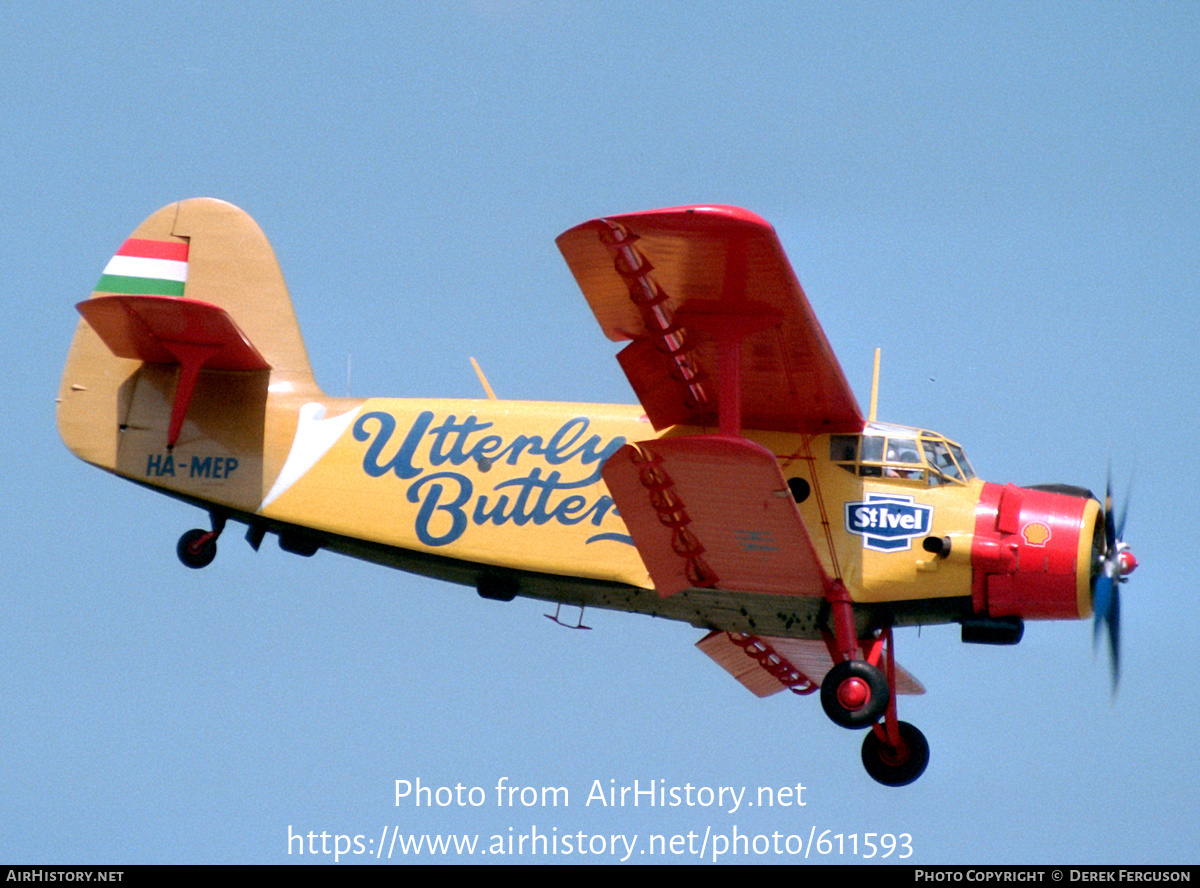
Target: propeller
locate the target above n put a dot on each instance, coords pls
(1114, 565)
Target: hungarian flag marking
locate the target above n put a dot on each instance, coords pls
(146, 268)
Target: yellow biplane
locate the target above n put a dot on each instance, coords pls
(746, 495)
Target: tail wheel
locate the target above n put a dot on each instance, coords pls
(197, 548)
(855, 694)
(897, 765)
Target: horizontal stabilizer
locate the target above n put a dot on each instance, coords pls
(170, 330)
(152, 328)
(767, 665)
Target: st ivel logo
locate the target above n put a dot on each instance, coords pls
(888, 522)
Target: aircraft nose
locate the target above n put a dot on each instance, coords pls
(1033, 553)
(1127, 562)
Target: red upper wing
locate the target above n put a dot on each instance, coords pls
(666, 279)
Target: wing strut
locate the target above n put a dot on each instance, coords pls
(729, 325)
(840, 606)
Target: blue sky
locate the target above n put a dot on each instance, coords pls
(1001, 196)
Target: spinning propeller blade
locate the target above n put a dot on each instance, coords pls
(1114, 564)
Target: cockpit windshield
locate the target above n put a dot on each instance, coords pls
(884, 451)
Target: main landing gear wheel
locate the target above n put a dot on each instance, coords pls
(855, 694)
(896, 765)
(197, 548)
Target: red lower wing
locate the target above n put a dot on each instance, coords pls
(713, 512)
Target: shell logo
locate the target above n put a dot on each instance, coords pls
(1035, 533)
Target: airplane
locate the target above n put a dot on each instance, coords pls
(745, 494)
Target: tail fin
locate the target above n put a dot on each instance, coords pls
(189, 331)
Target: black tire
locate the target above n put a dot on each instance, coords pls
(899, 766)
(194, 553)
(855, 679)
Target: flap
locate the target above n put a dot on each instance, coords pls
(766, 665)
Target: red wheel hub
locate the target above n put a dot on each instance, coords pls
(853, 694)
(894, 755)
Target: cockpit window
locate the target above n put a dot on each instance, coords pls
(843, 448)
(872, 449)
(902, 450)
(938, 455)
(961, 458)
(905, 454)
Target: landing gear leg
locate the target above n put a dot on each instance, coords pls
(894, 752)
(854, 693)
(197, 548)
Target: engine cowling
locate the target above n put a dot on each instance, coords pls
(1034, 553)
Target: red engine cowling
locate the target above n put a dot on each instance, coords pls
(1034, 553)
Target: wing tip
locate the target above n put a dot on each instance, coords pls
(681, 218)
